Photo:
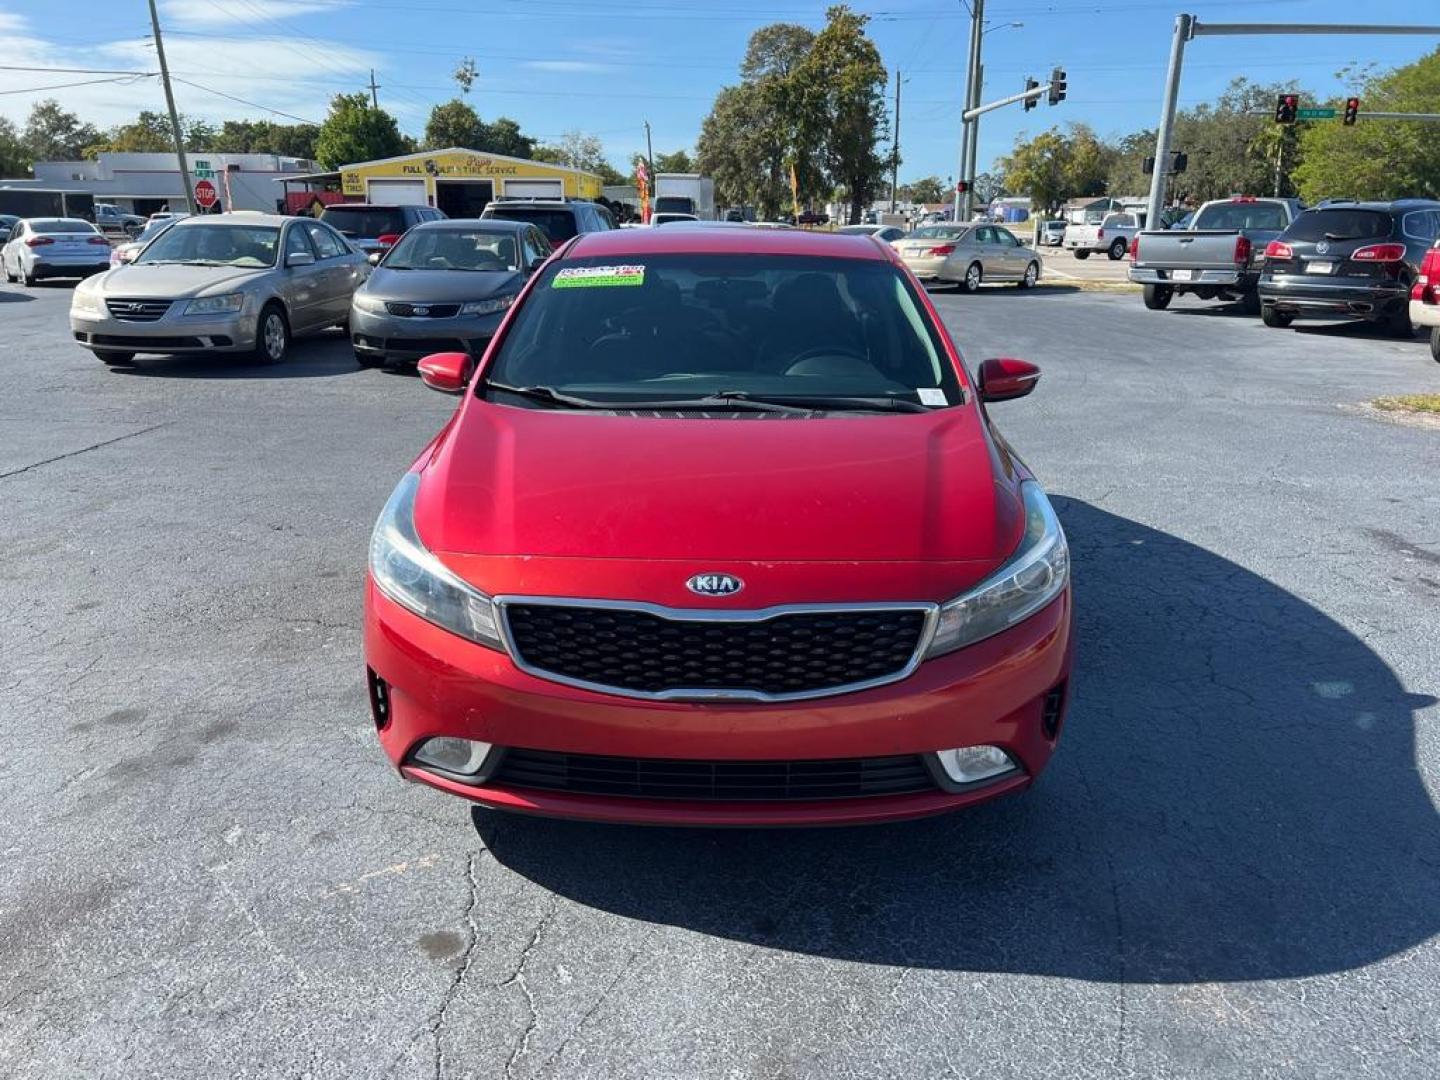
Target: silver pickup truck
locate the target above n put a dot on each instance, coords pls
(1218, 257)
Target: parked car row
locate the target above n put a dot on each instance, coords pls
(1340, 259)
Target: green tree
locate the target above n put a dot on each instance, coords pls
(265, 137)
(580, 151)
(52, 134)
(454, 123)
(679, 161)
(842, 91)
(1377, 159)
(503, 136)
(354, 131)
(150, 133)
(988, 188)
(14, 157)
(928, 189)
(465, 74)
(1039, 168)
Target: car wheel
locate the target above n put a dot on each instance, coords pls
(973, 275)
(1250, 302)
(9, 277)
(1435, 344)
(28, 278)
(1117, 250)
(1273, 317)
(1032, 275)
(109, 357)
(1081, 253)
(272, 334)
(1158, 297)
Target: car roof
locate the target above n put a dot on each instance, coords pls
(494, 225)
(242, 217)
(1381, 205)
(376, 206)
(679, 240)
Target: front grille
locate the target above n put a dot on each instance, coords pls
(138, 310)
(429, 311)
(132, 341)
(717, 781)
(640, 652)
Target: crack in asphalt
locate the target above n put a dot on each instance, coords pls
(83, 450)
(467, 959)
(595, 1006)
(518, 977)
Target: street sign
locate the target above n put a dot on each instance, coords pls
(205, 194)
(1316, 114)
(202, 169)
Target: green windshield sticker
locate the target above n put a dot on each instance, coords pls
(592, 277)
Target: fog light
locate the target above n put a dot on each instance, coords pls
(462, 756)
(968, 764)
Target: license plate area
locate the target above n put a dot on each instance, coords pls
(1320, 266)
(1183, 275)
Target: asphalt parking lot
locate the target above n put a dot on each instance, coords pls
(1231, 869)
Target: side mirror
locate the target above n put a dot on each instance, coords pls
(375, 257)
(299, 258)
(1005, 378)
(448, 372)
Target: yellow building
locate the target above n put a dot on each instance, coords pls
(459, 181)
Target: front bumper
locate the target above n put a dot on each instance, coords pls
(392, 337)
(993, 692)
(171, 333)
(1308, 298)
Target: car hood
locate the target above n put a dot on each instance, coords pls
(440, 286)
(509, 481)
(165, 281)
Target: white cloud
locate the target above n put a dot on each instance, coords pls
(582, 66)
(205, 13)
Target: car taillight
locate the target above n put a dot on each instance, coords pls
(1135, 248)
(1276, 250)
(1100, 233)
(943, 249)
(387, 239)
(1384, 253)
(39, 241)
(98, 240)
(1242, 251)
(1427, 285)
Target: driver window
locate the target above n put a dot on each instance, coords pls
(324, 240)
(296, 243)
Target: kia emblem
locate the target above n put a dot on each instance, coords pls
(421, 310)
(715, 584)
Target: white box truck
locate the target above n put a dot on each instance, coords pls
(685, 193)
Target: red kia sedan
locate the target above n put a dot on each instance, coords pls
(720, 533)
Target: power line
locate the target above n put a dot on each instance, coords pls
(73, 71)
(243, 101)
(67, 85)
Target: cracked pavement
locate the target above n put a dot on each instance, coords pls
(1231, 869)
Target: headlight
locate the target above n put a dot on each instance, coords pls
(1032, 577)
(86, 300)
(487, 307)
(365, 302)
(216, 305)
(410, 575)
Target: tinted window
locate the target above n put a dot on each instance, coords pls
(1006, 238)
(296, 243)
(1239, 215)
(1420, 225)
(557, 224)
(215, 245)
(369, 223)
(60, 225)
(1339, 224)
(327, 244)
(938, 232)
(685, 326)
(453, 249)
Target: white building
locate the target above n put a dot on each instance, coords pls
(144, 183)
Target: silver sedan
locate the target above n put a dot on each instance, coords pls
(228, 283)
(968, 255)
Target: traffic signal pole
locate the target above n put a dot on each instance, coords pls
(972, 98)
(1188, 27)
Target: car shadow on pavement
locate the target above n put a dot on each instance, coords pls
(1236, 797)
(8, 296)
(326, 356)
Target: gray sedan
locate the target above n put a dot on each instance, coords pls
(443, 288)
(228, 283)
(968, 255)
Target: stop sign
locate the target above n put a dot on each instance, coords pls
(205, 194)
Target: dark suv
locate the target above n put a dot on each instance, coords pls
(1356, 259)
(559, 219)
(374, 229)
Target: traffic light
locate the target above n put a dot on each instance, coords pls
(962, 187)
(1179, 161)
(1352, 111)
(1030, 84)
(1286, 106)
(1057, 86)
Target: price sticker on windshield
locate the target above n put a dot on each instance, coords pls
(594, 277)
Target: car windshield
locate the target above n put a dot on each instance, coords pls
(215, 245)
(1241, 215)
(60, 225)
(939, 232)
(369, 223)
(675, 328)
(867, 230)
(152, 229)
(557, 224)
(1339, 225)
(453, 249)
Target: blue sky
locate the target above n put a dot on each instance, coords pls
(605, 66)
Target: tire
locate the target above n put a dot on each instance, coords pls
(28, 278)
(1081, 253)
(1273, 317)
(1158, 297)
(365, 360)
(272, 334)
(1118, 249)
(109, 356)
(9, 277)
(973, 276)
(1435, 344)
(1250, 302)
(1032, 275)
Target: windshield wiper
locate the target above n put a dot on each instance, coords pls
(813, 403)
(550, 396)
(725, 400)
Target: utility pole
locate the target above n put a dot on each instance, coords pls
(374, 91)
(174, 117)
(895, 145)
(972, 98)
